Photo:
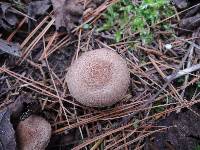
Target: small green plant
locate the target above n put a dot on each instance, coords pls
(138, 17)
(18, 4)
(197, 147)
(198, 84)
(158, 107)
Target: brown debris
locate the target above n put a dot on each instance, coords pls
(68, 13)
(7, 133)
(181, 4)
(128, 123)
(190, 23)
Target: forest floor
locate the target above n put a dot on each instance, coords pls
(160, 41)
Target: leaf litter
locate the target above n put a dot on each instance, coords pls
(131, 123)
(67, 13)
(8, 20)
(7, 133)
(38, 8)
(10, 48)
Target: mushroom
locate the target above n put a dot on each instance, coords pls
(33, 133)
(98, 78)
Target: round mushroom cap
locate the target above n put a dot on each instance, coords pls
(98, 78)
(33, 133)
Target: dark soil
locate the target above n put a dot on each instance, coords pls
(183, 134)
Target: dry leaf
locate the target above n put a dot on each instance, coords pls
(38, 7)
(7, 133)
(68, 13)
(9, 48)
(8, 19)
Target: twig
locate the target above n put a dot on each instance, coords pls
(183, 72)
(191, 49)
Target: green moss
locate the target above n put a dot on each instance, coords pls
(197, 147)
(139, 17)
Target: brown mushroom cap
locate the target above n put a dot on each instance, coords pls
(98, 78)
(33, 133)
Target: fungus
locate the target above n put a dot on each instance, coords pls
(33, 133)
(98, 78)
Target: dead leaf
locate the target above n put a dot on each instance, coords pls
(197, 50)
(38, 8)
(9, 48)
(8, 20)
(192, 12)
(184, 132)
(7, 133)
(58, 6)
(181, 4)
(190, 23)
(4, 87)
(68, 13)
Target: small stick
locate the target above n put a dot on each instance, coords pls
(183, 72)
(15, 31)
(190, 57)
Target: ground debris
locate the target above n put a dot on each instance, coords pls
(9, 48)
(192, 12)
(38, 85)
(7, 133)
(197, 50)
(68, 13)
(181, 4)
(38, 7)
(58, 6)
(184, 133)
(190, 23)
(8, 20)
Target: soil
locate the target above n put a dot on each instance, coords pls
(183, 133)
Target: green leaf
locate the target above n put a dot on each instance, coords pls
(118, 36)
(86, 26)
(197, 147)
(137, 24)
